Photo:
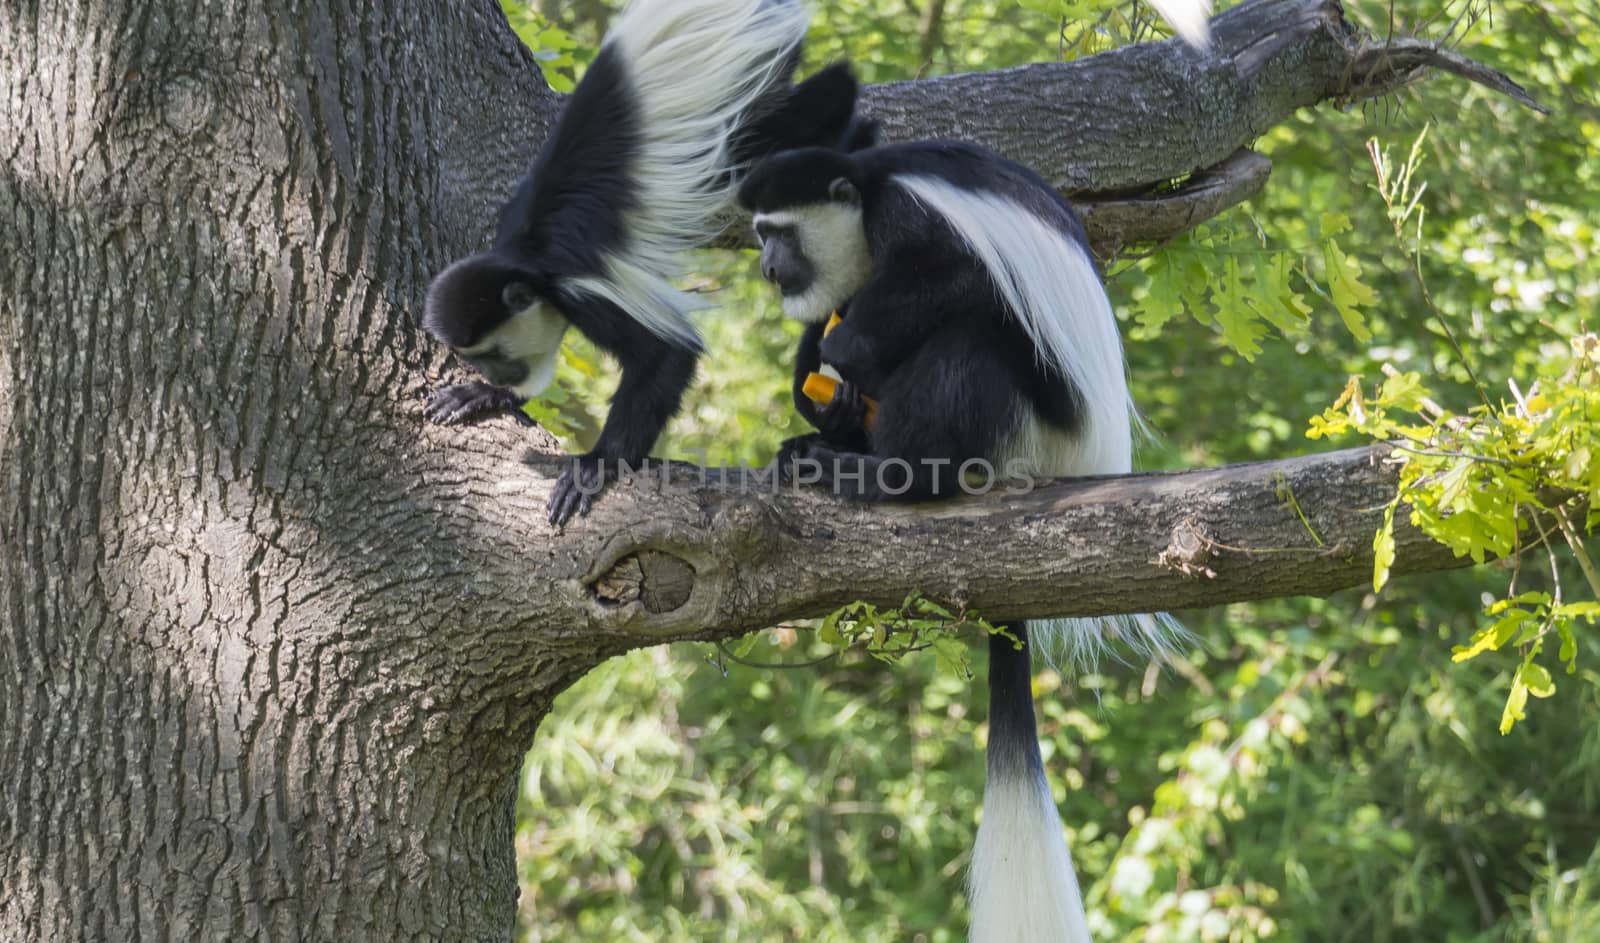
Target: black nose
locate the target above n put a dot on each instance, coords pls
(788, 283)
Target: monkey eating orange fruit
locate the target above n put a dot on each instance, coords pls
(821, 388)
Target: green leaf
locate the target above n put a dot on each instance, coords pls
(1332, 224)
(1160, 303)
(1403, 391)
(1586, 609)
(1465, 532)
(1348, 293)
(829, 630)
(1578, 463)
(1569, 646)
(1516, 705)
(1273, 298)
(1537, 679)
(746, 644)
(1383, 548)
(1523, 599)
(951, 654)
(1493, 637)
(1240, 327)
(1193, 280)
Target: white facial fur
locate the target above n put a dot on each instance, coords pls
(835, 242)
(533, 336)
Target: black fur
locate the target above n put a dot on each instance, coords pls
(559, 223)
(928, 335)
(811, 116)
(455, 403)
(1013, 738)
(569, 207)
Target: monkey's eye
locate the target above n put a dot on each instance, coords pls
(766, 230)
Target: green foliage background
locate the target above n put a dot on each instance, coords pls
(1318, 770)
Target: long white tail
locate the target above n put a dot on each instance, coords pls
(1021, 886)
(698, 68)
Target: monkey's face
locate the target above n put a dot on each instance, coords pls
(815, 253)
(784, 261)
(521, 353)
(494, 317)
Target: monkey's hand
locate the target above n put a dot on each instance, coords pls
(463, 401)
(845, 416)
(847, 351)
(585, 476)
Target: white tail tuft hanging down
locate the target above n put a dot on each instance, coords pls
(1022, 887)
(697, 67)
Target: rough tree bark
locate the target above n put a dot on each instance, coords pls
(270, 648)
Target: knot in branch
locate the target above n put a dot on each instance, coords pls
(658, 581)
(1188, 551)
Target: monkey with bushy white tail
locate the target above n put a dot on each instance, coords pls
(974, 328)
(645, 156)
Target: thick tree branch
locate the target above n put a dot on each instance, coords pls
(1113, 222)
(1114, 130)
(701, 554)
(1126, 122)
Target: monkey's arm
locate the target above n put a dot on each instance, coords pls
(842, 421)
(912, 293)
(807, 360)
(655, 374)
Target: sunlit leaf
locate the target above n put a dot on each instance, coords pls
(1516, 705)
(1240, 328)
(1383, 549)
(1349, 294)
(1538, 680)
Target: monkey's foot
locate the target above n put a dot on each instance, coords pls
(584, 477)
(793, 451)
(463, 401)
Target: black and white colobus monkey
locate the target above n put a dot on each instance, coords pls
(645, 154)
(974, 317)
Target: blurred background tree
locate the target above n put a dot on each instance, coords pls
(1318, 769)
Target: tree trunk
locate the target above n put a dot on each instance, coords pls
(238, 693)
(270, 648)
